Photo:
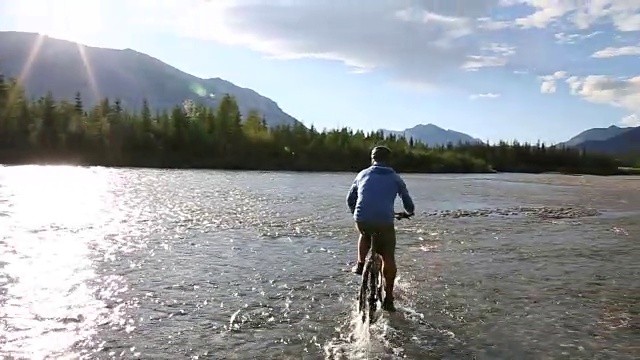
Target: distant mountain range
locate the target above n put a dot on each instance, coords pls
(59, 66)
(432, 135)
(595, 134)
(613, 140)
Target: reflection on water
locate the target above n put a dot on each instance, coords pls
(50, 219)
(45, 198)
(120, 263)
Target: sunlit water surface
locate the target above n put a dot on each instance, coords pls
(159, 264)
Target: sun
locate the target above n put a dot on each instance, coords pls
(79, 21)
(74, 20)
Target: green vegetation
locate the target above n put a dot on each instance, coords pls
(193, 136)
(629, 170)
(631, 161)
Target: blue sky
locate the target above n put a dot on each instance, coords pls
(495, 69)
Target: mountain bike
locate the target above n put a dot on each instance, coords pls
(372, 284)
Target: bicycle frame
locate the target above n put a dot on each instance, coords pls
(373, 280)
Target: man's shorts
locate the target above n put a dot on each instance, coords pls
(383, 236)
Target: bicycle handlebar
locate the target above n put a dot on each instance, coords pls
(403, 215)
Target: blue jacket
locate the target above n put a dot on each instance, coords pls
(373, 193)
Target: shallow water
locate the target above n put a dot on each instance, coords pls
(165, 264)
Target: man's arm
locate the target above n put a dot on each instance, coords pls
(352, 196)
(407, 202)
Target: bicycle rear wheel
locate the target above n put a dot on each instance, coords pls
(373, 291)
(362, 301)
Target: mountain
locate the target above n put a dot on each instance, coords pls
(595, 134)
(625, 143)
(432, 135)
(64, 67)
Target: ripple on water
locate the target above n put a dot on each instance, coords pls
(212, 264)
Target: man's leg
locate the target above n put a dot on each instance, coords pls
(388, 237)
(364, 243)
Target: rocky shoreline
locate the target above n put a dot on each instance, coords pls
(545, 212)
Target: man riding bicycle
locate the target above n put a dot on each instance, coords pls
(371, 200)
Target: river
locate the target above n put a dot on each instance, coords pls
(100, 263)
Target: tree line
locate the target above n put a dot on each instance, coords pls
(192, 135)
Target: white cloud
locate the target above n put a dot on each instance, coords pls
(486, 23)
(484, 96)
(601, 89)
(494, 55)
(617, 51)
(423, 41)
(546, 12)
(500, 49)
(623, 14)
(564, 38)
(475, 62)
(631, 120)
(548, 85)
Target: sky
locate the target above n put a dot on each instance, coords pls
(496, 69)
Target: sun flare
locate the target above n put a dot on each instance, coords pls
(73, 20)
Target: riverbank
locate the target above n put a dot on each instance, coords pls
(488, 170)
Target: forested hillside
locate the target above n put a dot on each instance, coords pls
(63, 67)
(196, 136)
